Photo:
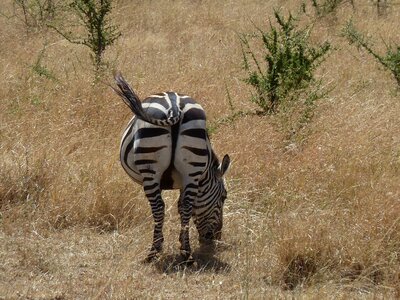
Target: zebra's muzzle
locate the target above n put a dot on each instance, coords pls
(209, 237)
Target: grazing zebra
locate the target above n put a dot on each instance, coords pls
(166, 146)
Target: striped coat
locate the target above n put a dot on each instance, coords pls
(166, 146)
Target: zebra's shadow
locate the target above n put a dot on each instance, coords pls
(204, 260)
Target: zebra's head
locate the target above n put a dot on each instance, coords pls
(208, 209)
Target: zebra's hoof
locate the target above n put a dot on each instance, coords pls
(187, 257)
(189, 261)
(152, 257)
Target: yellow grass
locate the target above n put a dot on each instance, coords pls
(313, 216)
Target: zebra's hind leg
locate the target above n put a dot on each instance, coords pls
(185, 207)
(153, 194)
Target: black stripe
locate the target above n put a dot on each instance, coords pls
(143, 171)
(196, 173)
(190, 193)
(192, 186)
(197, 164)
(197, 151)
(150, 187)
(193, 114)
(152, 195)
(157, 114)
(208, 187)
(207, 204)
(195, 132)
(128, 150)
(144, 161)
(149, 132)
(148, 149)
(206, 214)
(160, 101)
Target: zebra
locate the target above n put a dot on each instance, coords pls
(166, 146)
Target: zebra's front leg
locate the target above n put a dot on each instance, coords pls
(185, 210)
(153, 194)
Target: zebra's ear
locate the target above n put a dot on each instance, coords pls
(224, 165)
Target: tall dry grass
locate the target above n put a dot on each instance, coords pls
(310, 214)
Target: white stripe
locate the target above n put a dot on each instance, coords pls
(127, 129)
(190, 106)
(178, 100)
(155, 105)
(168, 100)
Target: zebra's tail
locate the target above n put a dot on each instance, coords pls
(132, 100)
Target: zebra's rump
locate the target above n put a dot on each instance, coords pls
(167, 152)
(170, 179)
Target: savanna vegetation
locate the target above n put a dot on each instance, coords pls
(313, 204)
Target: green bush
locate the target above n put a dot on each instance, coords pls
(391, 60)
(288, 65)
(93, 16)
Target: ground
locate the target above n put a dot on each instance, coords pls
(312, 208)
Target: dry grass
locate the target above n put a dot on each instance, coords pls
(313, 215)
